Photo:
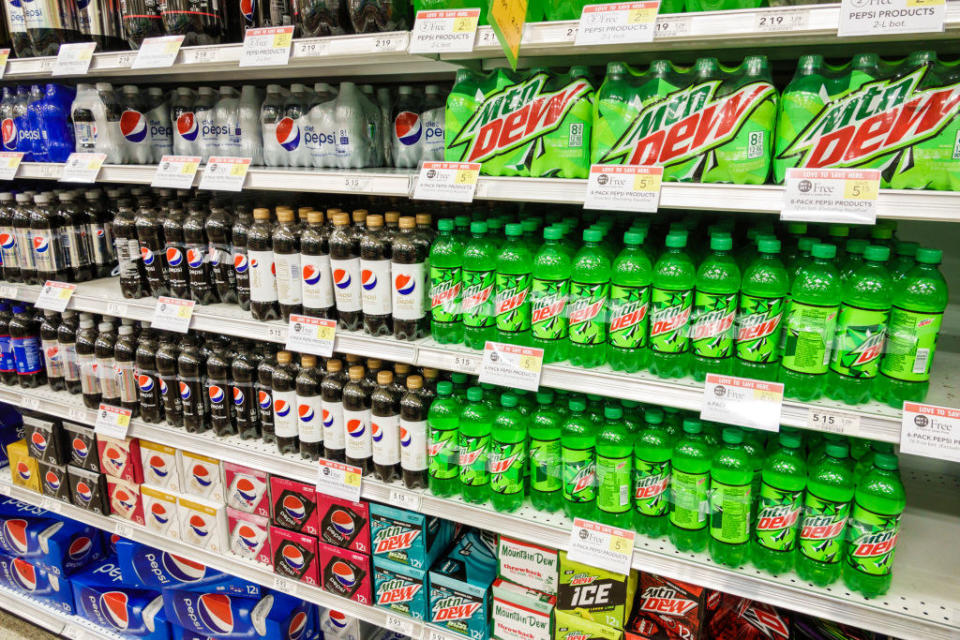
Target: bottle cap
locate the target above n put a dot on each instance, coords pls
(334, 365)
(825, 251)
(374, 364)
(374, 221)
(676, 240)
(340, 219)
(384, 377)
(445, 224)
(881, 233)
(391, 217)
(692, 425)
(887, 461)
(126, 330)
(424, 219)
(474, 394)
(544, 397)
(429, 373)
(284, 357)
(592, 235)
(401, 368)
(303, 212)
(351, 358)
(444, 388)
(768, 245)
(838, 231)
(508, 400)
(478, 227)
(907, 248)
(613, 412)
(837, 449)
(553, 233)
(459, 378)
(356, 371)
(284, 215)
(856, 245)
(360, 216)
(408, 222)
(796, 228)
(414, 383)
(105, 326)
(577, 405)
(514, 230)
(261, 214)
(653, 416)
(790, 439)
(721, 242)
(315, 217)
(732, 435)
(875, 253)
(929, 256)
(308, 361)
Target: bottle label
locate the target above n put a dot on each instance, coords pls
(385, 434)
(334, 435)
(288, 278)
(127, 379)
(730, 512)
(53, 358)
(587, 313)
(669, 315)
(861, 334)
(759, 328)
(473, 460)
(413, 445)
(628, 316)
(545, 475)
(317, 282)
(822, 529)
(809, 337)
(101, 239)
(613, 484)
(71, 368)
(109, 377)
(25, 248)
(375, 295)
(513, 302)
(506, 464)
(912, 343)
(75, 242)
(27, 355)
(409, 291)
(309, 421)
(548, 301)
(445, 283)
(444, 454)
(872, 541)
(263, 281)
(711, 329)
(356, 424)
(285, 413)
(478, 298)
(8, 247)
(777, 518)
(89, 382)
(651, 480)
(688, 497)
(346, 284)
(579, 474)
(45, 250)
(7, 361)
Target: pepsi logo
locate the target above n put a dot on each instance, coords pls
(215, 612)
(247, 490)
(81, 4)
(80, 449)
(311, 275)
(158, 465)
(39, 441)
(8, 241)
(342, 522)
(145, 383)
(23, 470)
(202, 475)
(133, 125)
(40, 244)
(368, 280)
(187, 126)
(163, 387)
(355, 428)
(199, 525)
(327, 419)
(52, 481)
(240, 263)
(113, 604)
(84, 492)
(344, 574)
(341, 278)
(248, 536)
(294, 507)
(337, 619)
(216, 394)
(184, 391)
(214, 254)
(15, 535)
(52, 353)
(195, 258)
(288, 134)
(174, 257)
(238, 396)
(80, 548)
(254, 263)
(183, 569)
(294, 557)
(407, 128)
(281, 408)
(159, 513)
(147, 256)
(298, 624)
(405, 438)
(405, 284)
(126, 500)
(376, 432)
(115, 457)
(8, 128)
(24, 574)
(306, 413)
(246, 10)
(264, 400)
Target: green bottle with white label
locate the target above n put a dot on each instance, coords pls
(689, 489)
(826, 509)
(731, 486)
(614, 470)
(783, 480)
(652, 450)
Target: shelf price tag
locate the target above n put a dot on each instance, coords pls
(75, 632)
(601, 546)
(618, 23)
(4, 54)
(509, 365)
(285, 585)
(176, 172)
(831, 195)
(74, 58)
(339, 480)
(8, 291)
(55, 296)
(859, 18)
(172, 314)
(624, 188)
(742, 401)
(224, 174)
(832, 421)
(448, 181)
(51, 504)
(930, 431)
(444, 31)
(405, 499)
(112, 422)
(266, 47)
(403, 626)
(157, 52)
(777, 20)
(123, 529)
(311, 335)
(9, 163)
(82, 167)
(673, 26)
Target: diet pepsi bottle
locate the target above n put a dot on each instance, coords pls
(48, 252)
(263, 281)
(87, 361)
(286, 257)
(406, 141)
(184, 123)
(198, 256)
(17, 28)
(414, 406)
(284, 388)
(67, 341)
(385, 428)
(268, 362)
(226, 125)
(152, 247)
(125, 354)
(356, 420)
(24, 239)
(168, 353)
(52, 353)
(218, 388)
(375, 278)
(331, 397)
(158, 122)
(202, 22)
(104, 348)
(265, 13)
(248, 125)
(190, 385)
(432, 121)
(241, 263)
(244, 372)
(345, 268)
(408, 268)
(135, 127)
(99, 21)
(317, 289)
(271, 114)
(203, 110)
(218, 228)
(99, 234)
(74, 238)
(50, 23)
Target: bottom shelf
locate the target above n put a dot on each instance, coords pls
(52, 619)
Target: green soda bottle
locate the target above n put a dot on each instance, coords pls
(589, 290)
(825, 512)
(689, 485)
(784, 477)
(474, 440)
(652, 449)
(837, 235)
(905, 260)
(629, 304)
(918, 304)
(671, 301)
(731, 484)
(460, 385)
(614, 470)
(763, 301)
(514, 266)
(545, 467)
(508, 456)
(715, 310)
(874, 526)
(443, 419)
(595, 405)
(861, 329)
(814, 303)
(530, 227)
(854, 257)
(549, 292)
(755, 445)
(526, 401)
(804, 255)
(632, 416)
(578, 440)
(479, 275)
(446, 257)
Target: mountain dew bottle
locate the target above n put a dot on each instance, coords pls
(731, 481)
(689, 485)
(854, 257)
(814, 304)
(479, 276)
(474, 440)
(652, 449)
(578, 440)
(865, 463)
(629, 303)
(825, 512)
(446, 262)
(545, 467)
(874, 526)
(549, 292)
(905, 260)
(589, 290)
(508, 456)
(671, 301)
(784, 477)
(514, 265)
(614, 470)
(443, 420)
(861, 329)
(763, 301)
(715, 310)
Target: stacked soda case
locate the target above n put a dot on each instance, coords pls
(35, 120)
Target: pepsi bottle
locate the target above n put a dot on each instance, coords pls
(375, 278)
(190, 385)
(356, 419)
(315, 18)
(263, 280)
(241, 263)
(345, 267)
(385, 427)
(331, 397)
(202, 290)
(27, 351)
(99, 234)
(74, 238)
(201, 22)
(284, 385)
(24, 239)
(218, 388)
(219, 228)
(309, 408)
(52, 354)
(87, 361)
(268, 361)
(127, 248)
(125, 354)
(286, 257)
(152, 247)
(148, 381)
(175, 254)
(17, 29)
(8, 239)
(67, 343)
(317, 287)
(408, 268)
(244, 372)
(50, 23)
(47, 248)
(168, 354)
(141, 19)
(107, 373)
(99, 21)
(8, 365)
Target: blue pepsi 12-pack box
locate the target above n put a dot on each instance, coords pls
(60, 546)
(35, 581)
(275, 616)
(103, 597)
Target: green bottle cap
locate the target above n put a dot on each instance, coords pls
(616, 68)
(553, 233)
(908, 249)
(530, 224)
(494, 224)
(806, 243)
(752, 233)
(653, 416)
(629, 404)
(514, 230)
(508, 400)
(929, 256)
(633, 238)
(474, 394)
(444, 388)
(886, 461)
(676, 240)
(478, 227)
(732, 435)
(873, 253)
(544, 397)
(881, 233)
(613, 412)
(838, 231)
(459, 378)
(837, 449)
(592, 235)
(721, 242)
(825, 251)
(463, 221)
(796, 228)
(692, 425)
(790, 439)
(445, 224)
(594, 397)
(768, 245)
(577, 405)
(857, 246)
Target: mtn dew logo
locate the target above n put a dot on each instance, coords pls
(507, 466)
(396, 591)
(712, 330)
(628, 316)
(512, 302)
(587, 320)
(548, 298)
(651, 481)
(758, 328)
(777, 518)
(872, 539)
(477, 298)
(822, 529)
(579, 475)
(473, 460)
(669, 314)
(861, 334)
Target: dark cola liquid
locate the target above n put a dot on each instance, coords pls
(410, 318)
(310, 413)
(265, 392)
(190, 386)
(356, 407)
(285, 407)
(87, 360)
(377, 283)
(263, 287)
(334, 435)
(413, 438)
(286, 257)
(244, 371)
(67, 341)
(241, 262)
(219, 235)
(52, 353)
(385, 422)
(167, 355)
(148, 381)
(175, 255)
(318, 300)
(27, 350)
(198, 258)
(141, 19)
(127, 248)
(345, 267)
(125, 354)
(150, 237)
(218, 390)
(315, 18)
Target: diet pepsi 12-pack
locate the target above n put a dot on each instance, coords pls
(88, 489)
(80, 443)
(294, 505)
(160, 512)
(161, 468)
(294, 555)
(249, 535)
(246, 489)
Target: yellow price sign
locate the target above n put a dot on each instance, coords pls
(641, 16)
(238, 169)
(529, 363)
(861, 189)
(13, 160)
(326, 332)
(170, 48)
(466, 177)
(766, 395)
(646, 182)
(619, 544)
(926, 3)
(189, 167)
(282, 40)
(352, 479)
(184, 311)
(465, 25)
(123, 419)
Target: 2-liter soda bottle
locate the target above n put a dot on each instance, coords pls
(671, 302)
(689, 489)
(578, 457)
(614, 470)
(512, 306)
(764, 292)
(443, 421)
(546, 480)
(549, 291)
(652, 450)
(715, 310)
(629, 305)
(731, 480)
(446, 285)
(474, 441)
(826, 509)
(508, 456)
(587, 308)
(783, 480)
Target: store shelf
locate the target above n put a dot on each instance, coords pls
(52, 619)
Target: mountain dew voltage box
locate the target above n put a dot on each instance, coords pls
(595, 594)
(460, 583)
(899, 117)
(400, 588)
(408, 537)
(706, 123)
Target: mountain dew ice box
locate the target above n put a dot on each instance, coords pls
(521, 124)
(595, 594)
(572, 627)
(520, 613)
(706, 123)
(459, 585)
(899, 117)
(408, 537)
(400, 588)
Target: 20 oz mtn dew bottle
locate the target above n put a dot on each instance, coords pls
(652, 449)
(715, 310)
(508, 456)
(578, 441)
(629, 304)
(826, 508)
(689, 489)
(443, 420)
(446, 263)
(614, 470)
(731, 480)
(512, 306)
(589, 290)
(545, 467)
(474, 441)
(671, 301)
(763, 300)
(784, 477)
(549, 291)
(479, 278)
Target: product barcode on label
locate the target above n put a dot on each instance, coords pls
(920, 363)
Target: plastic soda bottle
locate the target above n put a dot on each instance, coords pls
(671, 301)
(629, 305)
(514, 267)
(731, 480)
(854, 257)
(446, 262)
(715, 310)
(508, 456)
(918, 304)
(479, 273)
(589, 290)
(474, 441)
(826, 508)
(815, 302)
(545, 467)
(549, 292)
(905, 260)
(763, 302)
(578, 441)
(784, 477)
(861, 329)
(689, 484)
(652, 449)
(614, 470)
(443, 421)
(873, 529)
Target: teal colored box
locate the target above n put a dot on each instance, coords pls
(460, 585)
(400, 588)
(408, 537)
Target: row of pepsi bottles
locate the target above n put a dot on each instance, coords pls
(35, 121)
